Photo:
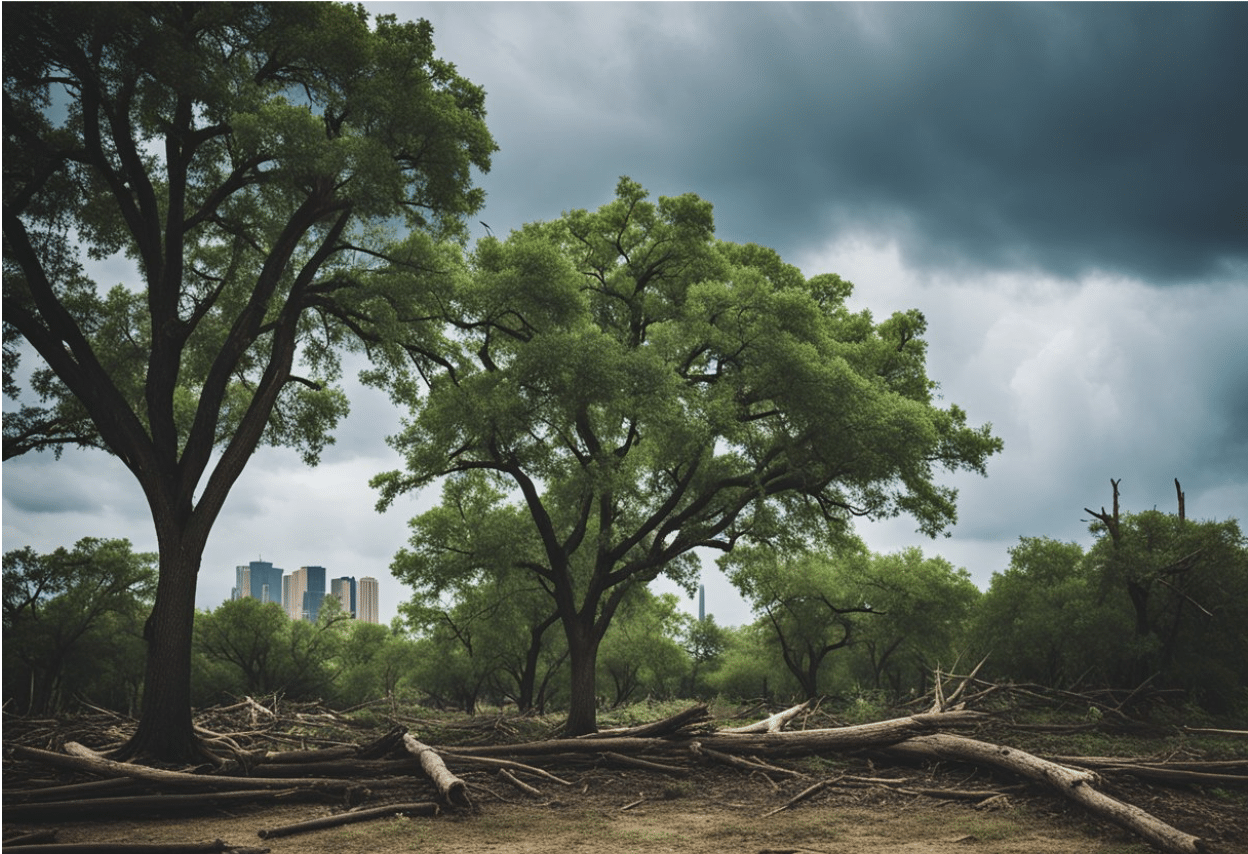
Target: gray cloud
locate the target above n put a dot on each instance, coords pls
(1064, 138)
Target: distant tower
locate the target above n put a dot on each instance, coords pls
(344, 589)
(701, 602)
(258, 580)
(314, 591)
(369, 601)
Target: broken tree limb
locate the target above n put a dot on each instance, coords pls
(452, 789)
(750, 764)
(810, 791)
(511, 778)
(691, 715)
(87, 761)
(775, 723)
(1232, 773)
(53, 811)
(621, 759)
(143, 848)
(491, 762)
(839, 738)
(427, 808)
(1078, 785)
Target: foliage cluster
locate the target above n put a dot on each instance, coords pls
(866, 628)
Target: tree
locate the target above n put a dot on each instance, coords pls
(641, 653)
(250, 160)
(1042, 619)
(466, 562)
(923, 606)
(813, 603)
(1186, 582)
(705, 642)
(251, 637)
(645, 391)
(65, 609)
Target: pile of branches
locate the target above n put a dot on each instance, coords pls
(398, 774)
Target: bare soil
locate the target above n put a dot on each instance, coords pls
(713, 811)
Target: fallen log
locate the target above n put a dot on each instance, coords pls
(839, 738)
(767, 743)
(85, 760)
(143, 848)
(1078, 785)
(1228, 773)
(427, 808)
(491, 762)
(126, 807)
(674, 723)
(743, 764)
(634, 762)
(73, 790)
(775, 723)
(452, 789)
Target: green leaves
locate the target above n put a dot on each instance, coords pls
(646, 390)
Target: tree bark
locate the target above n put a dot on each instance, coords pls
(1078, 785)
(166, 731)
(775, 723)
(452, 789)
(582, 663)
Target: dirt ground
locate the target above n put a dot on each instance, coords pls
(715, 811)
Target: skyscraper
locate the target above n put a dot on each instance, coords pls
(369, 601)
(307, 590)
(258, 580)
(344, 589)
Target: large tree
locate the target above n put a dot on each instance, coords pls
(644, 390)
(249, 160)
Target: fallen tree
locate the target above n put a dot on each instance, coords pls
(362, 778)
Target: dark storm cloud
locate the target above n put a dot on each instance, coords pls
(1068, 138)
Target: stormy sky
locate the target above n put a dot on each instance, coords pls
(1061, 189)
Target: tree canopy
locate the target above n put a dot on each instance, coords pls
(642, 390)
(251, 162)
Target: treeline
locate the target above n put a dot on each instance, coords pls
(1157, 599)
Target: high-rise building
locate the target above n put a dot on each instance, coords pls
(304, 590)
(369, 601)
(344, 589)
(258, 580)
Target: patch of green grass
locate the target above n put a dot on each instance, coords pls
(986, 828)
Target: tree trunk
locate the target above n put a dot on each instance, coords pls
(165, 731)
(582, 662)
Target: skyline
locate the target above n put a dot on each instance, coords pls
(1059, 188)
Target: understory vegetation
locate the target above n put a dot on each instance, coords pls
(1159, 609)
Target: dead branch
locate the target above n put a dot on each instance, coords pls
(141, 848)
(621, 759)
(678, 721)
(491, 762)
(350, 818)
(53, 811)
(88, 762)
(1078, 785)
(801, 796)
(775, 723)
(508, 777)
(750, 764)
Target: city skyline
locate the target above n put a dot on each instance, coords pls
(302, 592)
